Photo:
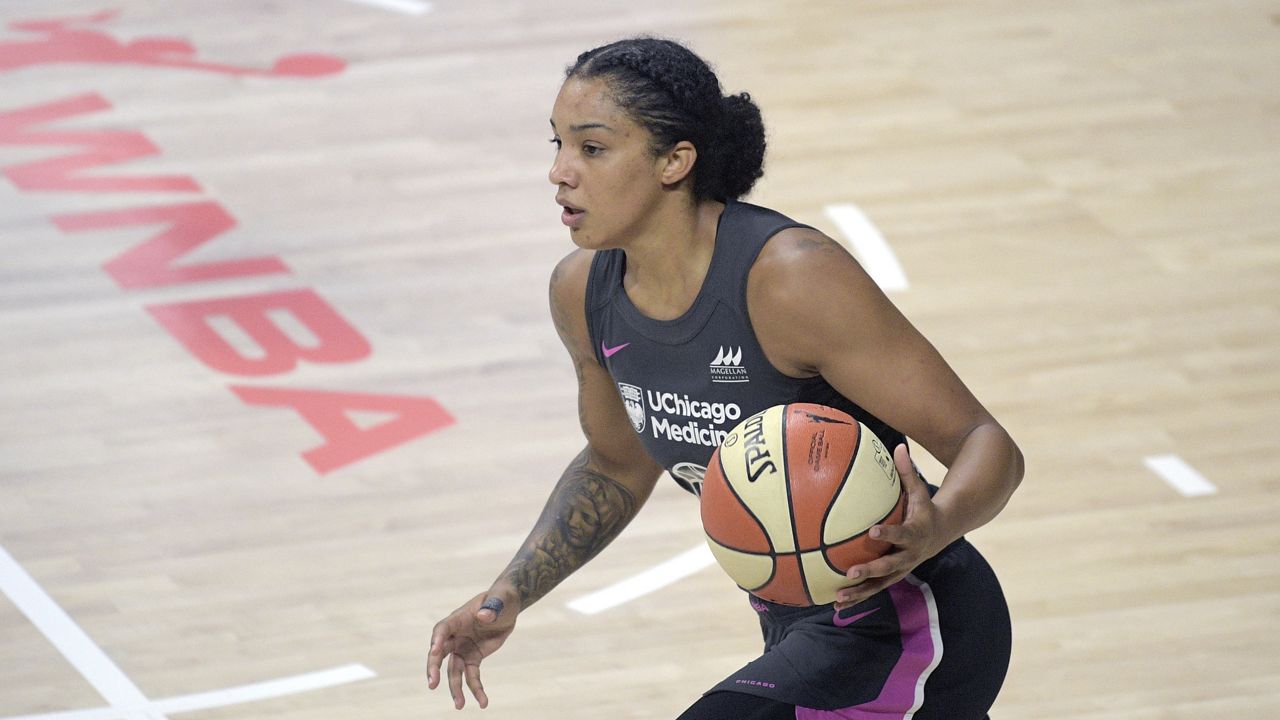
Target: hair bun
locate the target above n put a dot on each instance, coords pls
(742, 140)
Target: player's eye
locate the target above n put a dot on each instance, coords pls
(591, 150)
(555, 141)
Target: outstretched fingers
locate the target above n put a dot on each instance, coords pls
(435, 658)
(455, 681)
(472, 672)
(464, 668)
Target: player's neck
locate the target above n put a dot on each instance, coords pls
(666, 266)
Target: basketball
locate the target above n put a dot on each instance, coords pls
(788, 499)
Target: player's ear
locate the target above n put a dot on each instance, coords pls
(676, 163)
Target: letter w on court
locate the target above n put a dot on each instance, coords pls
(51, 42)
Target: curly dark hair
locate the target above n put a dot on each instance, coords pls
(675, 95)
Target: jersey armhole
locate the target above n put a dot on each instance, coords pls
(746, 307)
(597, 297)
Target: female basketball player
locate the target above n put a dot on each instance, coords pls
(673, 275)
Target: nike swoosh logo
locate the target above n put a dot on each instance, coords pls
(846, 622)
(611, 351)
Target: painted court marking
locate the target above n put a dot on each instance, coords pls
(869, 245)
(125, 700)
(1180, 475)
(408, 7)
(677, 568)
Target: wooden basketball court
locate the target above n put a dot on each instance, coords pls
(194, 523)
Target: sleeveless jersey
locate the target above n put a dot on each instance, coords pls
(687, 382)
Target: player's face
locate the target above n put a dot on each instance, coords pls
(607, 177)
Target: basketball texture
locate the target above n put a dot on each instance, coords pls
(789, 497)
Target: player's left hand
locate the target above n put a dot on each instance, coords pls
(918, 538)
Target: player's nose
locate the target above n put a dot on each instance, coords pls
(562, 172)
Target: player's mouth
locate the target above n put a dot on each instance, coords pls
(571, 216)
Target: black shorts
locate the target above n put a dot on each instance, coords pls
(933, 646)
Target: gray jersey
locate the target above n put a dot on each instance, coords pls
(687, 382)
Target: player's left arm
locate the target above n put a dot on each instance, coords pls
(816, 311)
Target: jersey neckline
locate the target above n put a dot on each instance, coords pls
(680, 329)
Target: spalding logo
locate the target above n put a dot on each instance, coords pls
(757, 453)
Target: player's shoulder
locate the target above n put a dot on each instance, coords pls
(799, 260)
(569, 277)
(568, 293)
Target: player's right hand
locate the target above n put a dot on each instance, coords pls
(470, 634)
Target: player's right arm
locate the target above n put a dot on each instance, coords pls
(597, 495)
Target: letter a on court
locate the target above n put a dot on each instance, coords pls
(345, 442)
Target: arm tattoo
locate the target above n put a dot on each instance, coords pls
(586, 511)
(819, 244)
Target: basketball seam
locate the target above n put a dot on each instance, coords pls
(826, 547)
(772, 553)
(853, 458)
(791, 510)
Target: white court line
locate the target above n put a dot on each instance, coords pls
(109, 680)
(869, 245)
(1184, 478)
(222, 698)
(408, 7)
(102, 713)
(265, 690)
(126, 701)
(677, 568)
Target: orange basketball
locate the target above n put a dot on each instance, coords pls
(789, 497)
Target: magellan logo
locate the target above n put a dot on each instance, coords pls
(733, 357)
(633, 399)
(727, 367)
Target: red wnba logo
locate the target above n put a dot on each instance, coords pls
(186, 225)
(65, 41)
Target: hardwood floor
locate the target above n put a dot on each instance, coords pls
(1082, 197)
